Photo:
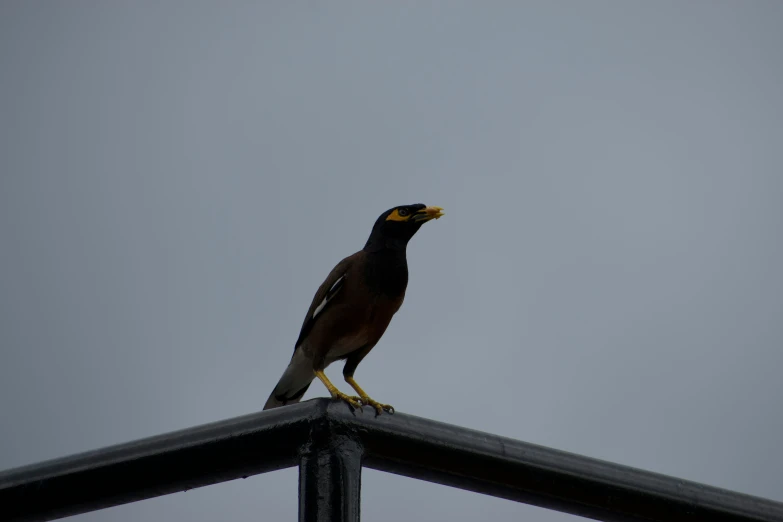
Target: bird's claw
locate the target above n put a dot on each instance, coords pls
(379, 407)
(354, 402)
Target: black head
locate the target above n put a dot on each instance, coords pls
(394, 228)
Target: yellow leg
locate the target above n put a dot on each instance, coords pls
(379, 408)
(335, 393)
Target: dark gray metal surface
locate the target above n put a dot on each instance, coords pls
(160, 465)
(328, 441)
(330, 475)
(507, 468)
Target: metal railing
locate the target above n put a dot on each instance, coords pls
(330, 444)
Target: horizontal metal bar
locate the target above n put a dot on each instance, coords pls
(502, 467)
(146, 468)
(398, 443)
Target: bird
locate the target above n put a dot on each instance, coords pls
(352, 309)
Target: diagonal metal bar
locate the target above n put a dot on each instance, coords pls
(502, 467)
(159, 465)
(401, 444)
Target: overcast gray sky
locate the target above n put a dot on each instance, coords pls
(177, 178)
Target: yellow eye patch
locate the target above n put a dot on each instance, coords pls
(395, 216)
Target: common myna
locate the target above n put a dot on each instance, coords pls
(352, 308)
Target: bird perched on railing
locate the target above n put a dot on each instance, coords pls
(352, 308)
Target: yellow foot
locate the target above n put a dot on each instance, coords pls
(379, 407)
(355, 402)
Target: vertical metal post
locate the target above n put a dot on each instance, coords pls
(330, 473)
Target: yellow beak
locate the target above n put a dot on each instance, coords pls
(428, 213)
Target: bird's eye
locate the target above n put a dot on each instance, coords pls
(403, 212)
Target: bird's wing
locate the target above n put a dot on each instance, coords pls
(326, 292)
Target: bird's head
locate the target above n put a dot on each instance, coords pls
(394, 228)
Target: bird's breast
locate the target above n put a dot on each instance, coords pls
(386, 274)
(365, 327)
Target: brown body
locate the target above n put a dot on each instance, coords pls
(355, 319)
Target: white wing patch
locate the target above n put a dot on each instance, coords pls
(329, 295)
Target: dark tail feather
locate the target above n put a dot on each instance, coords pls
(294, 382)
(275, 402)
